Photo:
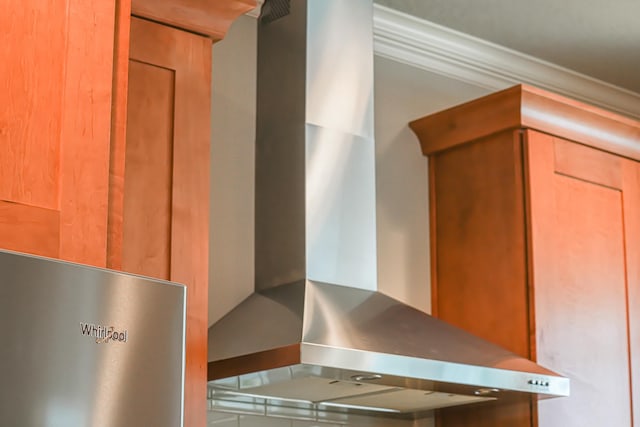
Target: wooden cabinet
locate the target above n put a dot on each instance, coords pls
(163, 230)
(56, 74)
(535, 221)
(104, 142)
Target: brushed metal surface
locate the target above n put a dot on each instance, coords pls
(316, 303)
(54, 375)
(341, 333)
(265, 320)
(341, 206)
(280, 254)
(315, 153)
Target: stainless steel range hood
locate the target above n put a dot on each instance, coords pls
(316, 334)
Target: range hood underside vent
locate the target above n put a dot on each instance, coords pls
(313, 395)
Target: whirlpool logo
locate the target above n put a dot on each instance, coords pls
(103, 334)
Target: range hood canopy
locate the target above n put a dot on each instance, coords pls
(316, 334)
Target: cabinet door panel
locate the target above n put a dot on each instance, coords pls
(149, 158)
(56, 74)
(578, 247)
(32, 90)
(479, 257)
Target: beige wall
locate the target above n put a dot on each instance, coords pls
(402, 93)
(232, 163)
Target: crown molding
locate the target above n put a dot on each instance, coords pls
(423, 44)
(211, 18)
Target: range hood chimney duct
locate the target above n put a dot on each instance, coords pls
(315, 153)
(316, 333)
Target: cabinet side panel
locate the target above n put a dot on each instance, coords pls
(480, 241)
(480, 256)
(578, 253)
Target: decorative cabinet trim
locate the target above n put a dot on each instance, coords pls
(528, 107)
(211, 18)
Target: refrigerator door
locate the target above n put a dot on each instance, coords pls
(82, 346)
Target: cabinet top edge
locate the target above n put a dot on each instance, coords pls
(528, 107)
(211, 19)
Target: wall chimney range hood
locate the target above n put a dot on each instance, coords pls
(316, 334)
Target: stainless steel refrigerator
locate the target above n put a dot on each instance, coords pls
(87, 347)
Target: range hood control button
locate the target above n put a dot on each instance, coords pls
(539, 382)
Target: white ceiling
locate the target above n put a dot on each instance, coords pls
(599, 38)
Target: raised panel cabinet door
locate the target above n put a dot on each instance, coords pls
(55, 85)
(583, 206)
(165, 219)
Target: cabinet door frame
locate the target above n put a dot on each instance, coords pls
(550, 158)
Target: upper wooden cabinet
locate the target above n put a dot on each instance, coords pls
(535, 220)
(56, 74)
(104, 136)
(63, 115)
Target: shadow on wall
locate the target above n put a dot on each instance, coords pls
(232, 168)
(404, 93)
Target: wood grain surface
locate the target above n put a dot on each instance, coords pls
(148, 178)
(580, 281)
(31, 88)
(528, 107)
(211, 18)
(631, 207)
(167, 179)
(480, 241)
(118, 134)
(29, 229)
(56, 78)
(85, 136)
(535, 216)
(479, 255)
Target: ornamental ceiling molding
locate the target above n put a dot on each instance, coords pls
(423, 44)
